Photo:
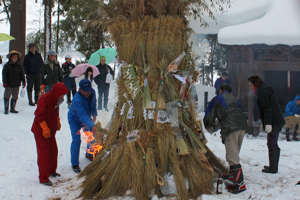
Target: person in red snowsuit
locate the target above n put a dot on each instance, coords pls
(44, 127)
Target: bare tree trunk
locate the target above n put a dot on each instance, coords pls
(18, 26)
(47, 27)
(57, 34)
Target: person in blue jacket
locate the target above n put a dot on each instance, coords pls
(222, 79)
(292, 118)
(82, 114)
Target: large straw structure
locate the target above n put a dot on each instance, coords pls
(140, 166)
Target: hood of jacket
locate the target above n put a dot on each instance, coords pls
(296, 98)
(57, 90)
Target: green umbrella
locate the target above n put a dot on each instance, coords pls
(4, 37)
(109, 53)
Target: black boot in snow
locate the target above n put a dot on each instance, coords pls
(236, 171)
(6, 105)
(29, 94)
(273, 167)
(12, 106)
(295, 136)
(278, 156)
(288, 137)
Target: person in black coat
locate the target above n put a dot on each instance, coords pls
(271, 117)
(100, 80)
(12, 75)
(32, 68)
(69, 79)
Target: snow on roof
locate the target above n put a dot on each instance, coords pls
(240, 11)
(279, 25)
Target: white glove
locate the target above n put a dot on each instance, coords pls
(268, 128)
(296, 115)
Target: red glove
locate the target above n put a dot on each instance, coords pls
(24, 84)
(5, 85)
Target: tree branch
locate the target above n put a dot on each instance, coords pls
(6, 10)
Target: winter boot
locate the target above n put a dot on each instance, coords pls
(36, 96)
(298, 183)
(278, 156)
(273, 167)
(236, 171)
(288, 137)
(228, 178)
(12, 106)
(6, 105)
(295, 136)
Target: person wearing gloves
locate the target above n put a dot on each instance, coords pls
(69, 79)
(225, 111)
(51, 72)
(292, 118)
(82, 114)
(103, 86)
(12, 76)
(32, 67)
(44, 127)
(271, 117)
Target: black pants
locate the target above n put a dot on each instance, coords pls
(69, 95)
(33, 81)
(273, 138)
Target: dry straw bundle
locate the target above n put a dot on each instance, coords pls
(139, 150)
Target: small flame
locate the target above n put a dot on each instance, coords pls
(94, 148)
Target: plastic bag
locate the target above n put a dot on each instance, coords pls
(22, 93)
(109, 78)
(173, 66)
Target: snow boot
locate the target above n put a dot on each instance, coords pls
(55, 175)
(48, 183)
(295, 136)
(76, 169)
(288, 137)
(236, 171)
(228, 178)
(298, 183)
(6, 105)
(278, 156)
(12, 106)
(273, 161)
(29, 94)
(36, 96)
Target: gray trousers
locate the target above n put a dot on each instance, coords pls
(233, 144)
(11, 91)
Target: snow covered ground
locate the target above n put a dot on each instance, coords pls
(19, 171)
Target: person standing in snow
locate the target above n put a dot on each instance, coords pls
(82, 114)
(32, 68)
(44, 127)
(100, 80)
(225, 111)
(51, 72)
(88, 74)
(292, 118)
(222, 79)
(271, 117)
(69, 79)
(12, 76)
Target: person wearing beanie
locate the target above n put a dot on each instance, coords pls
(32, 67)
(82, 114)
(51, 72)
(222, 79)
(69, 79)
(12, 76)
(100, 80)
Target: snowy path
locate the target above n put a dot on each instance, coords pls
(19, 171)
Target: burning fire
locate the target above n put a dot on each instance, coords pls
(94, 148)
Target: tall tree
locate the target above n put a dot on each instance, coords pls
(18, 25)
(49, 4)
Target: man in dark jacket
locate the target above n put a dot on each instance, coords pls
(69, 79)
(51, 72)
(225, 110)
(103, 87)
(32, 68)
(222, 79)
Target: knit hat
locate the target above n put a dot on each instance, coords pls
(102, 58)
(51, 53)
(14, 52)
(85, 85)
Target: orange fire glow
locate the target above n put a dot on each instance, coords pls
(94, 147)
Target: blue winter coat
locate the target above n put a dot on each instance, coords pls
(82, 108)
(219, 82)
(291, 108)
